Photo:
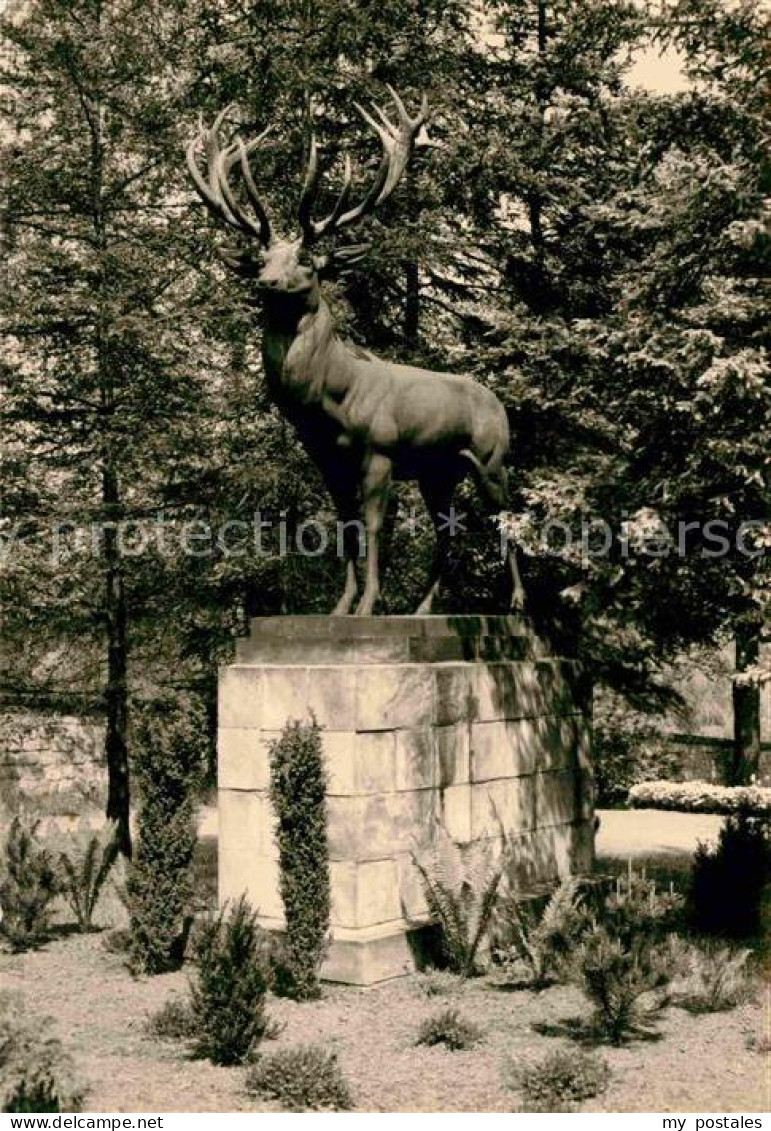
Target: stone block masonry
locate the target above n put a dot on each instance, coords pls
(52, 768)
(463, 721)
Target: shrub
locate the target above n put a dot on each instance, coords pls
(539, 942)
(298, 792)
(35, 1072)
(82, 877)
(618, 976)
(228, 993)
(172, 1022)
(448, 1028)
(461, 887)
(626, 956)
(170, 755)
(438, 983)
(626, 749)
(718, 979)
(632, 909)
(562, 1080)
(729, 881)
(27, 887)
(702, 797)
(304, 1078)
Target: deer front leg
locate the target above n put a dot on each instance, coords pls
(349, 531)
(375, 491)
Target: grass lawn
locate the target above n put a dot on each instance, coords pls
(692, 1063)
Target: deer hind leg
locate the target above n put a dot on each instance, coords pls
(438, 496)
(375, 492)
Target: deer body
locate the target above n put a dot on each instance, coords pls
(410, 414)
(363, 420)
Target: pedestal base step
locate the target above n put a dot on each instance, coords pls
(374, 954)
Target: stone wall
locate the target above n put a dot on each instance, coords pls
(52, 766)
(701, 733)
(487, 734)
(702, 758)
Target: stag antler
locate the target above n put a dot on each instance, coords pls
(397, 141)
(215, 189)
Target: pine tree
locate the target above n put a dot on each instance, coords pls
(99, 367)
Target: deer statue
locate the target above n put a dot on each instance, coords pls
(365, 422)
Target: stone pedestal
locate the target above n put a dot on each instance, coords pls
(458, 720)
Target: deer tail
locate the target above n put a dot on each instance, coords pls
(474, 460)
(490, 475)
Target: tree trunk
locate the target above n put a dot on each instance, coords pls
(412, 305)
(116, 690)
(114, 609)
(746, 705)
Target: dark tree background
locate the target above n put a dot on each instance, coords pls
(596, 254)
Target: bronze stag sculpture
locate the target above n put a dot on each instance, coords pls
(362, 420)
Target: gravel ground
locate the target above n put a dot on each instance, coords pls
(697, 1063)
(702, 1063)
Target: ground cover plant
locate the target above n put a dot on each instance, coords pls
(36, 1074)
(438, 983)
(560, 1081)
(174, 1021)
(302, 1078)
(449, 1028)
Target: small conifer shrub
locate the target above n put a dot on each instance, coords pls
(227, 996)
(298, 792)
(28, 886)
(170, 757)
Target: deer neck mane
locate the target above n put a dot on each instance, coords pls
(296, 348)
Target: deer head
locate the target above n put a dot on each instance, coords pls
(284, 267)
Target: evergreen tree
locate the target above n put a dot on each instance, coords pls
(100, 368)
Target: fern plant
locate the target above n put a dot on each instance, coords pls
(718, 980)
(461, 888)
(539, 943)
(82, 877)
